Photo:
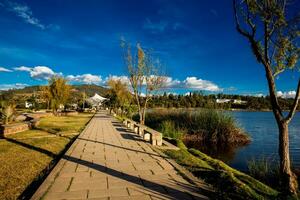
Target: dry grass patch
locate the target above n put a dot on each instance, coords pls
(25, 155)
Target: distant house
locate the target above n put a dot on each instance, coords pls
(223, 100)
(28, 104)
(238, 101)
(96, 100)
(234, 101)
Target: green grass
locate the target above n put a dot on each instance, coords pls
(230, 183)
(23, 156)
(63, 124)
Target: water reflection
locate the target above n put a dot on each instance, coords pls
(262, 129)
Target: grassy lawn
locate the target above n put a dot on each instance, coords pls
(229, 183)
(23, 156)
(66, 125)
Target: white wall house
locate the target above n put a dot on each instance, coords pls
(28, 104)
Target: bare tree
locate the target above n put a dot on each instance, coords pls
(145, 76)
(274, 40)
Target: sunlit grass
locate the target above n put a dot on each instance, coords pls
(229, 183)
(24, 155)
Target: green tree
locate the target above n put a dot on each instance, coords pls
(120, 90)
(59, 92)
(274, 40)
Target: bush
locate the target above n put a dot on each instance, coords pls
(208, 126)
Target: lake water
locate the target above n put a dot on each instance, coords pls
(262, 128)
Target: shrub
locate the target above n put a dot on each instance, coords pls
(208, 126)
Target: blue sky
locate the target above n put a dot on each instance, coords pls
(195, 40)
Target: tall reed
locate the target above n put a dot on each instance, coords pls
(200, 125)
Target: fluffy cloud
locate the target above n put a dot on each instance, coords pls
(188, 83)
(12, 86)
(42, 72)
(38, 72)
(170, 83)
(85, 78)
(199, 84)
(286, 95)
(123, 79)
(3, 69)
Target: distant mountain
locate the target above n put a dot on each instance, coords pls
(90, 90)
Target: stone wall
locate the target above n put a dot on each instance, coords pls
(13, 128)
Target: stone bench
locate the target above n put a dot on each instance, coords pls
(145, 132)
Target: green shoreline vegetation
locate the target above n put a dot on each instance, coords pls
(214, 128)
(206, 126)
(228, 182)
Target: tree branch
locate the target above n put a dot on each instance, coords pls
(295, 104)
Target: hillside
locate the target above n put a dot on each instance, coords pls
(90, 90)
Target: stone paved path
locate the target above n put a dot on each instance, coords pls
(107, 161)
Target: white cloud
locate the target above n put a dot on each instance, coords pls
(23, 68)
(286, 95)
(42, 72)
(24, 12)
(12, 86)
(188, 83)
(200, 84)
(170, 83)
(38, 72)
(85, 78)
(123, 79)
(3, 69)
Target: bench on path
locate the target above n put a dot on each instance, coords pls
(145, 132)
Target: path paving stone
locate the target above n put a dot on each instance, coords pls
(107, 161)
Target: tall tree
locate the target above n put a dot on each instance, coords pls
(46, 95)
(145, 76)
(59, 91)
(273, 34)
(121, 91)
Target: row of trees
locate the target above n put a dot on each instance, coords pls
(198, 99)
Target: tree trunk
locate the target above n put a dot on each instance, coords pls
(288, 178)
(141, 113)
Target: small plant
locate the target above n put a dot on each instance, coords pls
(8, 112)
(169, 130)
(265, 170)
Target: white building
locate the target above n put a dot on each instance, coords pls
(223, 100)
(28, 104)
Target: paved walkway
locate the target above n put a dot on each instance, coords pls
(109, 162)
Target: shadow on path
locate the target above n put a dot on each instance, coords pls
(161, 190)
(121, 147)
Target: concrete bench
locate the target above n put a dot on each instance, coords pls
(146, 133)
